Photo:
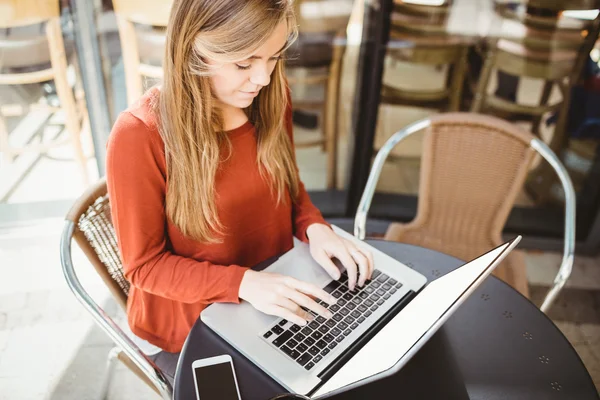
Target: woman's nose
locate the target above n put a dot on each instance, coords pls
(261, 76)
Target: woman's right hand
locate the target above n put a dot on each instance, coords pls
(283, 296)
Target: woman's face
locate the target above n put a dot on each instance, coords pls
(237, 84)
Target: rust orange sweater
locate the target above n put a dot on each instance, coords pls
(173, 278)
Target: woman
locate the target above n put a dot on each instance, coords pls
(203, 182)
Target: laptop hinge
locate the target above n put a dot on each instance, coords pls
(362, 340)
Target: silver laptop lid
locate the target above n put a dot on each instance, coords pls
(415, 324)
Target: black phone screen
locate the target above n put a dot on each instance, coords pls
(216, 382)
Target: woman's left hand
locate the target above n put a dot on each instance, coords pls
(326, 244)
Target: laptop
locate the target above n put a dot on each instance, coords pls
(327, 356)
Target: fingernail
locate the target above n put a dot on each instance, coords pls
(310, 317)
(332, 300)
(303, 323)
(329, 315)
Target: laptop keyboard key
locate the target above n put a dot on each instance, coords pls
(309, 366)
(398, 285)
(387, 286)
(362, 308)
(347, 332)
(382, 278)
(343, 289)
(331, 286)
(380, 292)
(339, 338)
(282, 338)
(337, 294)
(334, 308)
(306, 331)
(332, 345)
(367, 314)
(338, 317)
(335, 331)
(356, 300)
(292, 353)
(317, 359)
(295, 328)
(380, 302)
(355, 314)
(361, 320)
(321, 344)
(369, 290)
(314, 350)
(299, 337)
(341, 302)
(323, 329)
(309, 341)
(342, 325)
(328, 338)
(368, 303)
(351, 306)
(321, 320)
(348, 296)
(302, 348)
(325, 351)
(291, 343)
(354, 325)
(375, 307)
(348, 320)
(267, 335)
(277, 330)
(387, 296)
(375, 285)
(363, 295)
(376, 273)
(282, 322)
(316, 335)
(304, 359)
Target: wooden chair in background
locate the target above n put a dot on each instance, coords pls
(32, 51)
(552, 49)
(319, 51)
(142, 28)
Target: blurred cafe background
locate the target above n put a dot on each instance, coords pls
(360, 71)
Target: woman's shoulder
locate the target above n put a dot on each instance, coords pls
(137, 125)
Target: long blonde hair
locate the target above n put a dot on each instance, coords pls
(189, 120)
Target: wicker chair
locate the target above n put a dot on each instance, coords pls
(89, 222)
(472, 169)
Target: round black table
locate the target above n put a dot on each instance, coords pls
(498, 345)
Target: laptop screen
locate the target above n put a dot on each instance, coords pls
(416, 323)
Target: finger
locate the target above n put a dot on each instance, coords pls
(311, 290)
(369, 256)
(283, 312)
(294, 308)
(307, 302)
(324, 261)
(363, 265)
(350, 266)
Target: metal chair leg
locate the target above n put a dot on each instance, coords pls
(110, 366)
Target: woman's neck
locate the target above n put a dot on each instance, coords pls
(233, 117)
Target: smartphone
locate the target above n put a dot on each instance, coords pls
(215, 379)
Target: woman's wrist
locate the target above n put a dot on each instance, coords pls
(315, 229)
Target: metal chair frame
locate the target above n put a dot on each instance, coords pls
(540, 147)
(107, 324)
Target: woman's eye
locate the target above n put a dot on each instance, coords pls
(243, 66)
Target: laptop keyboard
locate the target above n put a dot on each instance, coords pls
(309, 344)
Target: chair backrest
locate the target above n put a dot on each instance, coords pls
(458, 179)
(95, 235)
(322, 16)
(472, 169)
(155, 13)
(27, 12)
